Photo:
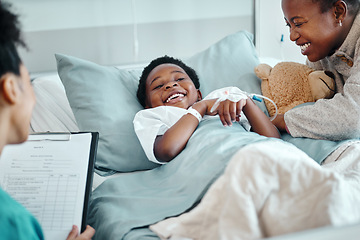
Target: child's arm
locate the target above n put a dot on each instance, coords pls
(174, 140)
(230, 111)
(260, 123)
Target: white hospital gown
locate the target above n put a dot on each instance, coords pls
(152, 122)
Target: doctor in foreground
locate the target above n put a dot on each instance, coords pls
(17, 101)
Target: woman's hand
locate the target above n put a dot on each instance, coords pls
(86, 235)
(279, 122)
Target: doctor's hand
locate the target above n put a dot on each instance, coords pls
(86, 235)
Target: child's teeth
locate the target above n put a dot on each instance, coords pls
(174, 96)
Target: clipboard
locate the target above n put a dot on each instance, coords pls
(38, 156)
(89, 179)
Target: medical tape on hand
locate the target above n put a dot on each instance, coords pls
(234, 94)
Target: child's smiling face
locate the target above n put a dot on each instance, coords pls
(316, 33)
(169, 85)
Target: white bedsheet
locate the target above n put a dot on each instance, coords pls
(271, 189)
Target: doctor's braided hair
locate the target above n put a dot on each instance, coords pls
(141, 91)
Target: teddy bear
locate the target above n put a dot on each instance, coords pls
(289, 84)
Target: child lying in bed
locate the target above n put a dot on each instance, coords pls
(169, 90)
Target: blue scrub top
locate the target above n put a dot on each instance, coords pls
(16, 222)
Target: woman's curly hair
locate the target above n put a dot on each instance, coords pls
(10, 37)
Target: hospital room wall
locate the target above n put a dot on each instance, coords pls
(272, 38)
(117, 32)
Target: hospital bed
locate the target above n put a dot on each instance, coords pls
(131, 193)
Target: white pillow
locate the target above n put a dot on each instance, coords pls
(52, 111)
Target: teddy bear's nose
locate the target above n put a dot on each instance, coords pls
(330, 74)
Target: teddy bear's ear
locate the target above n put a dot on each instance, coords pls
(262, 71)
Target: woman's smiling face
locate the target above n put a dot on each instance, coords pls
(317, 33)
(169, 85)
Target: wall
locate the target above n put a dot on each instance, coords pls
(271, 30)
(114, 32)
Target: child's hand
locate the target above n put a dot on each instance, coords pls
(227, 110)
(204, 107)
(230, 111)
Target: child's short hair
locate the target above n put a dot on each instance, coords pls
(141, 91)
